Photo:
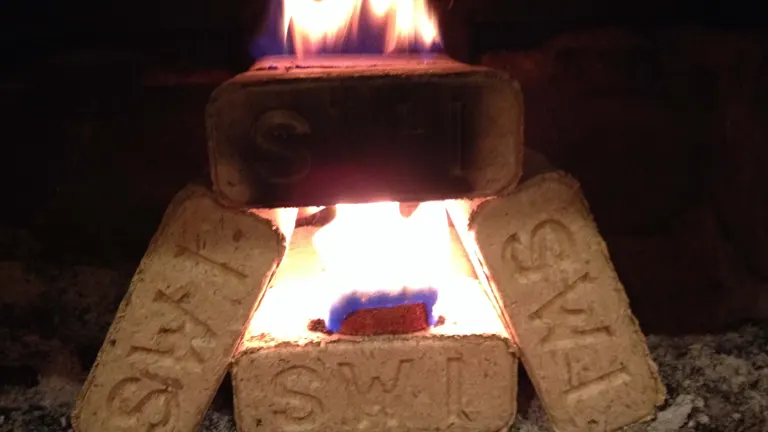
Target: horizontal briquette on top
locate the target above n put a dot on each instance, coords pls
(184, 314)
(318, 131)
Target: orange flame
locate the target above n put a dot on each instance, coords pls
(370, 248)
(315, 25)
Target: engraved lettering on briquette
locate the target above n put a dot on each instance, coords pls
(597, 386)
(182, 340)
(571, 325)
(592, 389)
(282, 157)
(142, 404)
(183, 250)
(456, 410)
(549, 243)
(387, 376)
(364, 381)
(297, 407)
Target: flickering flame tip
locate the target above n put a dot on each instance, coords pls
(321, 26)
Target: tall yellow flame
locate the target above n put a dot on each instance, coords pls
(315, 25)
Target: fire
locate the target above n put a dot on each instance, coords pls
(325, 25)
(370, 250)
(373, 248)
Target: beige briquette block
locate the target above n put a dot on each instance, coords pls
(459, 376)
(283, 133)
(183, 316)
(390, 383)
(566, 307)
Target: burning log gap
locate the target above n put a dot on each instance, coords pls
(301, 303)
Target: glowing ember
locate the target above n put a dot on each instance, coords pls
(316, 26)
(375, 257)
(356, 301)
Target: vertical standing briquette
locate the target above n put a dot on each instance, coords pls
(184, 314)
(563, 301)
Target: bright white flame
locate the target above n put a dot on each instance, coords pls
(408, 19)
(372, 247)
(318, 24)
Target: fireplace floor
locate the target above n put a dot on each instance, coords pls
(716, 383)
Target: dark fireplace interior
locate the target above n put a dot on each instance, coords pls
(659, 109)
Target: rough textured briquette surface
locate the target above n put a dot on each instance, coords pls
(715, 382)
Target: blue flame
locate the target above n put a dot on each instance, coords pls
(270, 41)
(370, 38)
(355, 301)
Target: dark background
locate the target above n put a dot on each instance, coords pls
(659, 108)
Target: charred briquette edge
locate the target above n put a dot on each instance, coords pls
(459, 213)
(319, 218)
(205, 269)
(325, 215)
(303, 147)
(551, 274)
(361, 63)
